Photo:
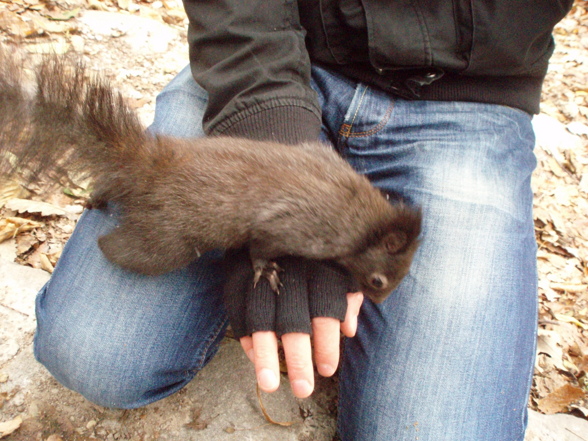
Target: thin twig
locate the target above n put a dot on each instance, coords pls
(574, 433)
(266, 415)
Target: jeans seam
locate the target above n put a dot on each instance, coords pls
(346, 132)
(358, 106)
(531, 372)
(202, 357)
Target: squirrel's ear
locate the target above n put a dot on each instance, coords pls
(395, 241)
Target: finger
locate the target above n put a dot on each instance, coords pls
(299, 363)
(265, 359)
(349, 326)
(247, 345)
(326, 338)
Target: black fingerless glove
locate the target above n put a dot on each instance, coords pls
(309, 289)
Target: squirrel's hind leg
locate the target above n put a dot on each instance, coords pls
(132, 249)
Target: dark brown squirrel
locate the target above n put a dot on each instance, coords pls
(182, 197)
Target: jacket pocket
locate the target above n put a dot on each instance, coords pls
(415, 34)
(514, 37)
(497, 38)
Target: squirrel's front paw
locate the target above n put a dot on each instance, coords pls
(269, 270)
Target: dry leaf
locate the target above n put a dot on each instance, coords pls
(124, 4)
(583, 365)
(25, 243)
(556, 168)
(28, 206)
(549, 343)
(174, 16)
(45, 263)
(568, 287)
(97, 4)
(10, 426)
(11, 189)
(568, 319)
(583, 187)
(561, 399)
(12, 226)
(13, 24)
(197, 422)
(582, 410)
(45, 25)
(34, 258)
(62, 15)
(577, 128)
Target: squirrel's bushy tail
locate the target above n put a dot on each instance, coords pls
(13, 103)
(64, 120)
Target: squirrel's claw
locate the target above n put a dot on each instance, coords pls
(269, 270)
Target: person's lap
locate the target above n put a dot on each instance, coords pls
(448, 356)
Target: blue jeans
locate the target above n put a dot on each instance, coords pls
(448, 356)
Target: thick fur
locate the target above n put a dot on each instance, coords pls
(180, 198)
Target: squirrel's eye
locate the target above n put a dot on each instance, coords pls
(378, 281)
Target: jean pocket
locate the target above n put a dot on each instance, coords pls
(368, 113)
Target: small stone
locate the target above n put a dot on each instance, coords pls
(18, 399)
(3, 377)
(91, 424)
(54, 437)
(78, 43)
(110, 425)
(34, 411)
(8, 349)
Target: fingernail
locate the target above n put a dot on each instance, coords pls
(326, 370)
(301, 388)
(267, 380)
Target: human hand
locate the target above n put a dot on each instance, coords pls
(262, 349)
(311, 290)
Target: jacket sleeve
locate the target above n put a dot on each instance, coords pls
(250, 56)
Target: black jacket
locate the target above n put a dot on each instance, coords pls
(253, 56)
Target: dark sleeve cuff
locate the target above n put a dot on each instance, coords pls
(286, 124)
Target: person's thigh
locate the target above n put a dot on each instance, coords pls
(122, 339)
(180, 107)
(449, 355)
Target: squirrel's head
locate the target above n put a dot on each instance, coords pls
(385, 257)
